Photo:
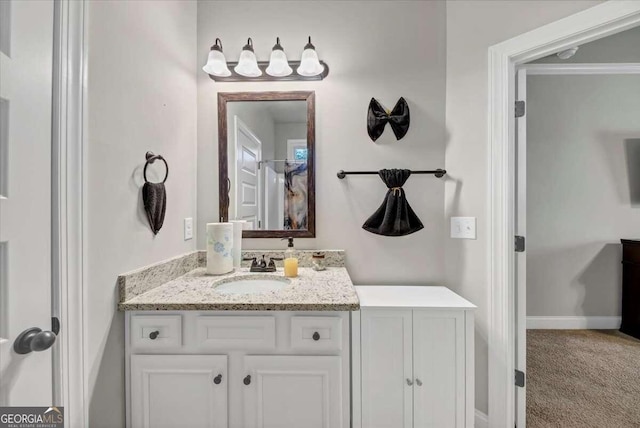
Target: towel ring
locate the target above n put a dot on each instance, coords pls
(151, 158)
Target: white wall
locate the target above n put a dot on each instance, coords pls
(288, 131)
(621, 47)
(473, 26)
(141, 96)
(382, 49)
(583, 178)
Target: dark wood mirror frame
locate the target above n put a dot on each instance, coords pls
(224, 185)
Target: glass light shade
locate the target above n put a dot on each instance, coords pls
(248, 64)
(278, 64)
(216, 64)
(309, 63)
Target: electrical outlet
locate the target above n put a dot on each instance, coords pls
(463, 227)
(188, 228)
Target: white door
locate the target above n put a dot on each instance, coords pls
(387, 368)
(169, 391)
(438, 369)
(26, 74)
(521, 257)
(293, 392)
(248, 192)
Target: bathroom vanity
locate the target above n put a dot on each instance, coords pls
(247, 350)
(205, 358)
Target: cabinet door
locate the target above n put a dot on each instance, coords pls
(387, 374)
(439, 369)
(179, 391)
(293, 392)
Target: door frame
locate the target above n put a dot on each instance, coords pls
(592, 24)
(68, 213)
(523, 73)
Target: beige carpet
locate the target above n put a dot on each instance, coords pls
(582, 378)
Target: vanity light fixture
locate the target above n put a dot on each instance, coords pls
(248, 64)
(309, 63)
(216, 63)
(278, 68)
(278, 64)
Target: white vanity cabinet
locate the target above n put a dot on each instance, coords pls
(416, 358)
(238, 369)
(171, 391)
(293, 391)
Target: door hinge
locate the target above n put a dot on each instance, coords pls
(520, 108)
(520, 244)
(259, 224)
(520, 377)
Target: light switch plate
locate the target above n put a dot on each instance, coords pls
(463, 227)
(188, 228)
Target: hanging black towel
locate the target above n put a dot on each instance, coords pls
(154, 197)
(394, 217)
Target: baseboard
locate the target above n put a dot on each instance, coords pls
(573, 323)
(482, 420)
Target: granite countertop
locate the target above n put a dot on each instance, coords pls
(183, 284)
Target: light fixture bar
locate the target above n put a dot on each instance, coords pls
(262, 65)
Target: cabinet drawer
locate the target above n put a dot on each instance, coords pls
(156, 331)
(231, 333)
(316, 333)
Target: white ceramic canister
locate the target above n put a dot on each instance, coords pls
(219, 248)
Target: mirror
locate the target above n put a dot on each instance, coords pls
(266, 162)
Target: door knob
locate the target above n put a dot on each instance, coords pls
(33, 339)
(217, 379)
(409, 382)
(247, 380)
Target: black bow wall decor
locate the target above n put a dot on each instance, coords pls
(398, 118)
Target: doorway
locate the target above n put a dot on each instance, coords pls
(576, 170)
(592, 24)
(41, 215)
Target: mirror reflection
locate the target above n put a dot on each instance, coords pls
(267, 164)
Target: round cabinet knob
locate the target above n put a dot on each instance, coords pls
(217, 379)
(316, 336)
(409, 382)
(34, 340)
(418, 382)
(247, 380)
(154, 335)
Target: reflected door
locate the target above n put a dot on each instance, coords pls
(248, 181)
(26, 69)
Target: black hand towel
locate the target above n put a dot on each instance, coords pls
(394, 217)
(154, 197)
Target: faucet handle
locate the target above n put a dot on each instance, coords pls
(273, 260)
(253, 261)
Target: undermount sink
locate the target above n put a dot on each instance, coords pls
(253, 285)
